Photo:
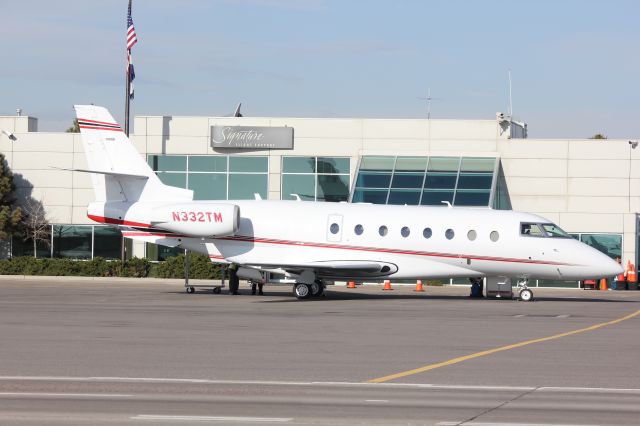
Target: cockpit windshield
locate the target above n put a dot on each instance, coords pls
(543, 230)
(554, 231)
(531, 229)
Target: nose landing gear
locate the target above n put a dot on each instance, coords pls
(524, 293)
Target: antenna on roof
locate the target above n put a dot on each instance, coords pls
(429, 99)
(237, 113)
(510, 99)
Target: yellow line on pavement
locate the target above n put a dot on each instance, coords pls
(495, 350)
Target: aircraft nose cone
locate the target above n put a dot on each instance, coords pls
(616, 269)
(608, 267)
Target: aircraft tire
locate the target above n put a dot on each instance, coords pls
(316, 289)
(526, 295)
(191, 290)
(302, 291)
(217, 290)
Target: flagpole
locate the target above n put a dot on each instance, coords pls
(127, 96)
(126, 103)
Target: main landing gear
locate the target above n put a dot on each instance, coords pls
(525, 294)
(305, 291)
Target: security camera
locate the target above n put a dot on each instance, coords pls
(633, 144)
(10, 135)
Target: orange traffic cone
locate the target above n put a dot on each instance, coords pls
(419, 286)
(351, 284)
(387, 285)
(631, 273)
(603, 284)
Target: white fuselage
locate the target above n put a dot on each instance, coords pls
(483, 242)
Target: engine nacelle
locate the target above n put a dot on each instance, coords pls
(198, 219)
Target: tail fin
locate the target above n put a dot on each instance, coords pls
(118, 172)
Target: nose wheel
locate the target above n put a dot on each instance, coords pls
(525, 294)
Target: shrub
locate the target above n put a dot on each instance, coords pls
(200, 267)
(97, 267)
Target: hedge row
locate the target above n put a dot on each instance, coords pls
(200, 267)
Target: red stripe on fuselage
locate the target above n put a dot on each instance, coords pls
(150, 234)
(113, 221)
(388, 250)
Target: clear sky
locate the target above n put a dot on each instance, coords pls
(575, 64)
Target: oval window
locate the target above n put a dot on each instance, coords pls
(383, 231)
(472, 235)
(334, 228)
(358, 229)
(449, 234)
(405, 231)
(494, 236)
(427, 233)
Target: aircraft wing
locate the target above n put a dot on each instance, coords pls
(334, 268)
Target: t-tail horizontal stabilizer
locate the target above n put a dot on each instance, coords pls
(103, 172)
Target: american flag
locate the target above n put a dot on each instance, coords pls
(131, 73)
(131, 31)
(131, 40)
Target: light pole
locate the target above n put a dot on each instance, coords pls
(12, 139)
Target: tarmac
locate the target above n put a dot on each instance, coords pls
(120, 351)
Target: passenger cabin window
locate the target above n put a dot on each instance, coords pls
(405, 231)
(449, 234)
(427, 233)
(358, 230)
(383, 231)
(334, 228)
(494, 236)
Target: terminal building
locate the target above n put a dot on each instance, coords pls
(589, 187)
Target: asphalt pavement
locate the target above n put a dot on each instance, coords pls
(105, 351)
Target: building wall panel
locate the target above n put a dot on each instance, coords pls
(536, 186)
(534, 148)
(41, 160)
(597, 187)
(592, 222)
(534, 167)
(597, 204)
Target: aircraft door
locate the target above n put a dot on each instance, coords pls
(334, 227)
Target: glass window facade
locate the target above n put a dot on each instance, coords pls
(462, 181)
(74, 242)
(20, 247)
(315, 178)
(157, 252)
(214, 177)
(609, 244)
(107, 242)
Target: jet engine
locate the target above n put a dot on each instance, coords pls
(198, 219)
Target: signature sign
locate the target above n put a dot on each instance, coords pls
(250, 137)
